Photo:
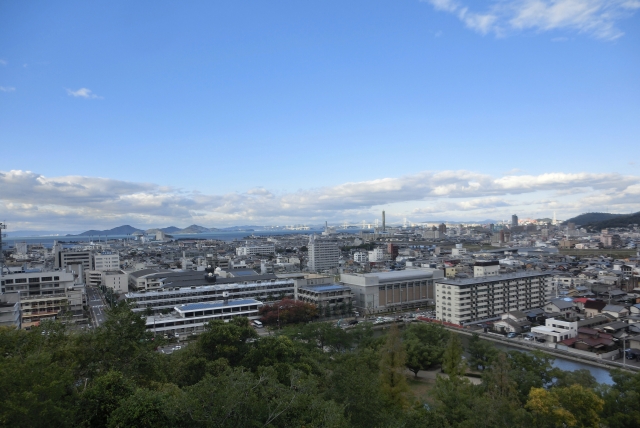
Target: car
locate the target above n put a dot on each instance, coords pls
(176, 348)
(528, 338)
(353, 322)
(541, 340)
(511, 335)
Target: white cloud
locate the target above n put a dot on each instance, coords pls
(70, 201)
(7, 89)
(595, 17)
(83, 93)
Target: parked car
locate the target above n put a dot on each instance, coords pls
(353, 322)
(529, 338)
(511, 335)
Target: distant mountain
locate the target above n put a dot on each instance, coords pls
(170, 229)
(590, 218)
(242, 228)
(620, 220)
(120, 230)
(194, 228)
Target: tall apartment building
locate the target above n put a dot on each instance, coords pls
(324, 254)
(514, 220)
(461, 301)
(252, 250)
(43, 295)
(384, 291)
(106, 260)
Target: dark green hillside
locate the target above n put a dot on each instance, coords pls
(620, 221)
(589, 218)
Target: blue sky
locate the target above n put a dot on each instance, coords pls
(279, 112)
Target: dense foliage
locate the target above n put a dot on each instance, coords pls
(312, 375)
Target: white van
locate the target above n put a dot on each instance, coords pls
(257, 324)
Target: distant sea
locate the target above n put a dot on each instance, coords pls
(232, 235)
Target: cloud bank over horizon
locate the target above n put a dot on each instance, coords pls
(31, 201)
(598, 18)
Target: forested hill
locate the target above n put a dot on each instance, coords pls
(619, 221)
(589, 218)
(308, 375)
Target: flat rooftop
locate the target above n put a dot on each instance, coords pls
(493, 278)
(323, 288)
(216, 305)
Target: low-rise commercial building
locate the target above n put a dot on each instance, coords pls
(252, 250)
(45, 294)
(384, 291)
(191, 318)
(192, 290)
(331, 295)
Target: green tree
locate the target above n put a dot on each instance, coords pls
(424, 344)
(102, 397)
(481, 352)
(227, 340)
(392, 363)
(145, 408)
(452, 362)
(530, 370)
(621, 400)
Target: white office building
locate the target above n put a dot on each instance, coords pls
(376, 255)
(252, 250)
(361, 257)
(324, 254)
(116, 280)
(106, 260)
(486, 268)
(468, 300)
(191, 318)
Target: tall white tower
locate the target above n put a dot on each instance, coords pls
(554, 222)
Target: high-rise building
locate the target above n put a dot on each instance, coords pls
(442, 229)
(324, 254)
(514, 220)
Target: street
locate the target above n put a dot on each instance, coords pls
(96, 306)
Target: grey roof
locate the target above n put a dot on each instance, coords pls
(325, 287)
(196, 278)
(218, 304)
(613, 308)
(494, 278)
(144, 272)
(562, 304)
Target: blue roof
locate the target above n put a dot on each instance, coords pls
(320, 288)
(215, 305)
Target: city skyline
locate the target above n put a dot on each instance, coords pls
(225, 114)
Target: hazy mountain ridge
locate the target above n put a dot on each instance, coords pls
(589, 218)
(621, 220)
(127, 230)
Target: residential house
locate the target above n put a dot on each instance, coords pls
(593, 307)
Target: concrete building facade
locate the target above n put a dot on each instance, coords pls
(324, 254)
(384, 291)
(467, 300)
